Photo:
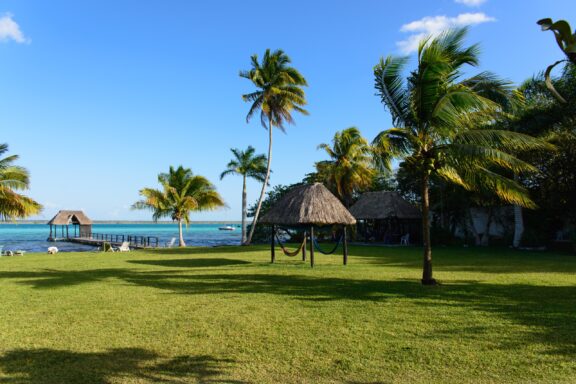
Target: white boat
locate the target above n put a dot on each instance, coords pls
(227, 228)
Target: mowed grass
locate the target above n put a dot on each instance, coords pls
(226, 315)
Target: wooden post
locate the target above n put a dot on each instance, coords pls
(312, 246)
(304, 247)
(272, 245)
(50, 231)
(345, 246)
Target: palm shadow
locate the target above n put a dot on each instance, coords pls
(191, 263)
(50, 366)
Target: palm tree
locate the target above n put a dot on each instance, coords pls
(246, 164)
(12, 178)
(182, 192)
(436, 115)
(279, 92)
(350, 168)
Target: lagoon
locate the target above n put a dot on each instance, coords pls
(32, 237)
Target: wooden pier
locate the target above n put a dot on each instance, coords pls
(97, 239)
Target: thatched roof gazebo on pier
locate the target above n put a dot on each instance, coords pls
(386, 216)
(82, 225)
(306, 207)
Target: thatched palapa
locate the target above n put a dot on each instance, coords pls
(70, 217)
(384, 205)
(82, 225)
(386, 217)
(308, 205)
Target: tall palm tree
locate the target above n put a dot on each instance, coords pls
(13, 178)
(279, 93)
(246, 164)
(435, 115)
(350, 167)
(182, 192)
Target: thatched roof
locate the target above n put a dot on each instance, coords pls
(308, 204)
(383, 205)
(70, 217)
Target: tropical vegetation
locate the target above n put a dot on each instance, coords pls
(350, 168)
(248, 165)
(279, 93)
(442, 125)
(13, 178)
(182, 192)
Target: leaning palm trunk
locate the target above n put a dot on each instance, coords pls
(427, 278)
(264, 184)
(181, 241)
(244, 210)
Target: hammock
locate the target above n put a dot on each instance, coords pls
(317, 246)
(287, 252)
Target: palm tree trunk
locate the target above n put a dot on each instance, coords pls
(264, 184)
(244, 213)
(181, 242)
(518, 226)
(427, 278)
(518, 223)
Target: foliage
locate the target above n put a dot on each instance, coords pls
(350, 168)
(279, 92)
(14, 205)
(182, 192)
(225, 315)
(437, 113)
(246, 164)
(566, 41)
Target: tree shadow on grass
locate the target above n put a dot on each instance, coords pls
(473, 259)
(547, 311)
(191, 263)
(228, 249)
(50, 366)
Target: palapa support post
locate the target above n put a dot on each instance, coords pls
(304, 247)
(272, 245)
(345, 246)
(312, 246)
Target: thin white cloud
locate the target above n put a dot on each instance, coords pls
(434, 25)
(10, 30)
(471, 3)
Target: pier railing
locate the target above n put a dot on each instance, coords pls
(136, 241)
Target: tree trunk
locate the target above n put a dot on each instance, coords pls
(244, 213)
(485, 239)
(181, 242)
(518, 226)
(264, 185)
(518, 223)
(427, 278)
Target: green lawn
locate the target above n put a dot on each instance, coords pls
(225, 315)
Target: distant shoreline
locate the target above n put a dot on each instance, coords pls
(45, 222)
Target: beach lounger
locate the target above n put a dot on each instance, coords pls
(171, 243)
(125, 247)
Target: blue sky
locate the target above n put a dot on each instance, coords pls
(98, 97)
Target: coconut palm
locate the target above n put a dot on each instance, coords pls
(246, 164)
(13, 178)
(279, 93)
(566, 40)
(436, 114)
(182, 192)
(350, 167)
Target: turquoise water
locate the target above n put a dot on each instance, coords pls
(32, 237)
